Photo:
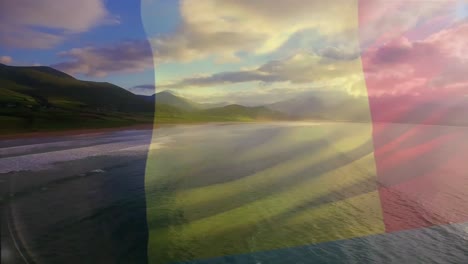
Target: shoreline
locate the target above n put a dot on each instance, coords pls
(73, 132)
(94, 131)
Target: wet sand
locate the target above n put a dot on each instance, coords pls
(72, 132)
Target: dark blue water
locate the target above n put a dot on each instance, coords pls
(88, 206)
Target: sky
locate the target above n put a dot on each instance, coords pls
(243, 51)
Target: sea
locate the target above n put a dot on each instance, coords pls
(209, 193)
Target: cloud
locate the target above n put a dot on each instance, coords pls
(383, 20)
(129, 56)
(46, 23)
(23, 37)
(145, 89)
(302, 68)
(189, 45)
(343, 53)
(6, 59)
(322, 42)
(434, 65)
(225, 29)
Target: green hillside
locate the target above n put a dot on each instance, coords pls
(45, 99)
(231, 113)
(243, 113)
(51, 88)
(169, 98)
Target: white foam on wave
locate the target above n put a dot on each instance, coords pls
(46, 160)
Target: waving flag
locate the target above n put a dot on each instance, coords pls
(414, 80)
(387, 155)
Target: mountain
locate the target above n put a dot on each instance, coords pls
(211, 105)
(239, 112)
(169, 98)
(324, 106)
(47, 87)
(45, 99)
(300, 107)
(169, 105)
(409, 109)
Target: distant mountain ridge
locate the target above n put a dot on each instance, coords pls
(257, 113)
(169, 98)
(325, 106)
(42, 98)
(332, 106)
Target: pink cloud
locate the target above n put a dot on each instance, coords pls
(419, 67)
(417, 76)
(382, 20)
(6, 59)
(452, 41)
